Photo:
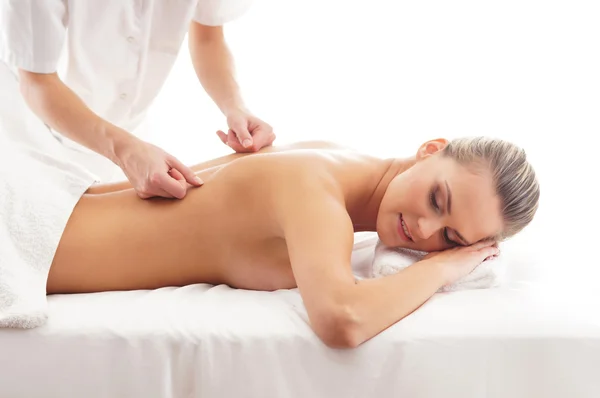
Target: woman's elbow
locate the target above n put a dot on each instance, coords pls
(338, 328)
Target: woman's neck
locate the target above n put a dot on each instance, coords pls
(363, 203)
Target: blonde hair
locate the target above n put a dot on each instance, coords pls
(514, 178)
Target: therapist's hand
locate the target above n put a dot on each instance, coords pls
(153, 172)
(246, 133)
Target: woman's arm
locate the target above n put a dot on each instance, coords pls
(319, 236)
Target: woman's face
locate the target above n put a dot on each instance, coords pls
(437, 204)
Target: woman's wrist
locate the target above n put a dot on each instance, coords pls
(438, 269)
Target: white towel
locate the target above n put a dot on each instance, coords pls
(39, 188)
(387, 261)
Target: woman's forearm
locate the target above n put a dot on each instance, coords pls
(59, 107)
(376, 304)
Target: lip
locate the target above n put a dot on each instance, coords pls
(401, 230)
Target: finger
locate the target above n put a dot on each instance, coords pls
(493, 256)
(168, 184)
(176, 174)
(185, 172)
(234, 144)
(482, 244)
(261, 139)
(153, 194)
(143, 195)
(272, 138)
(164, 194)
(178, 177)
(488, 253)
(263, 136)
(222, 136)
(147, 191)
(240, 128)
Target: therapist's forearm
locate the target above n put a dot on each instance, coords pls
(60, 108)
(214, 66)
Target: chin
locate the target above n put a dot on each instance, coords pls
(389, 238)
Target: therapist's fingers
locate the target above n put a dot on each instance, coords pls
(175, 174)
(153, 193)
(222, 136)
(162, 185)
(170, 185)
(231, 141)
(240, 128)
(263, 136)
(178, 176)
(185, 172)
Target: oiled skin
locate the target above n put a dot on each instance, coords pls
(223, 232)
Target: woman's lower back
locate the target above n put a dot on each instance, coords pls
(119, 242)
(216, 234)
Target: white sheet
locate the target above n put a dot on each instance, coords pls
(519, 341)
(39, 187)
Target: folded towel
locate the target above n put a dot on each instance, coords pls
(39, 188)
(388, 261)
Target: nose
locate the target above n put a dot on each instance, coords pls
(427, 227)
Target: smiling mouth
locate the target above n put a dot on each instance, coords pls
(404, 229)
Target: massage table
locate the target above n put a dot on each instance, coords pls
(522, 340)
(525, 339)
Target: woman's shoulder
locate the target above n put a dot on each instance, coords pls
(310, 165)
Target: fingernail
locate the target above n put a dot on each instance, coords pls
(198, 180)
(247, 142)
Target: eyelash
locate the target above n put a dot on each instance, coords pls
(433, 201)
(447, 238)
(436, 207)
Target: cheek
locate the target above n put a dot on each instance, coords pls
(407, 194)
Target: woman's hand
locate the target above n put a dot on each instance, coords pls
(458, 262)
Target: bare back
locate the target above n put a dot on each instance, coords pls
(223, 232)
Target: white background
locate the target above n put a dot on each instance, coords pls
(385, 76)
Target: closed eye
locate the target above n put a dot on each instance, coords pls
(447, 238)
(436, 207)
(434, 202)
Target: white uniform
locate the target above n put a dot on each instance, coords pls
(119, 52)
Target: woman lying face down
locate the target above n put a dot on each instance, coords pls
(286, 216)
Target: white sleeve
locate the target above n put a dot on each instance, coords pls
(32, 33)
(219, 12)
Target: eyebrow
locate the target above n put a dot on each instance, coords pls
(449, 207)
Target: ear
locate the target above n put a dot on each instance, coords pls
(431, 147)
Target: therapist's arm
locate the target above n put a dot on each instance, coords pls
(146, 166)
(214, 66)
(59, 107)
